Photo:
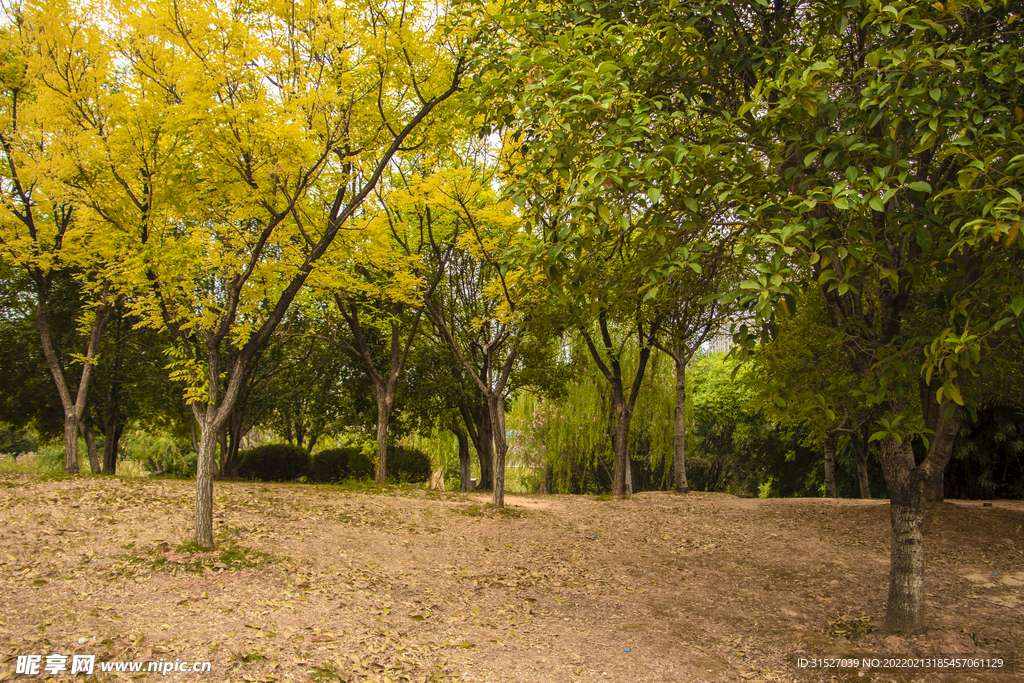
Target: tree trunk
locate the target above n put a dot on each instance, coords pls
(465, 464)
(89, 433)
(71, 442)
(905, 610)
(830, 467)
(620, 443)
(205, 468)
(112, 427)
(860, 453)
(385, 400)
(935, 488)
(496, 408)
(484, 444)
(679, 424)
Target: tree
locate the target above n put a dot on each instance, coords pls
(40, 231)
(893, 189)
(229, 148)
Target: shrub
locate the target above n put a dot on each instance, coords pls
(274, 462)
(408, 465)
(332, 464)
(361, 465)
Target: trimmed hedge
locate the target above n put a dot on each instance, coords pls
(408, 465)
(332, 464)
(337, 464)
(274, 462)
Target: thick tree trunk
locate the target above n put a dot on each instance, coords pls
(830, 467)
(620, 443)
(89, 433)
(484, 448)
(205, 468)
(679, 425)
(465, 464)
(71, 442)
(496, 407)
(905, 610)
(935, 487)
(860, 453)
(385, 400)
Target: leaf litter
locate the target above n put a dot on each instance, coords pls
(320, 583)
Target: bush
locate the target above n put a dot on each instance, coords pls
(408, 465)
(274, 462)
(332, 464)
(361, 465)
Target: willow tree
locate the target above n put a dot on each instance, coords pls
(232, 143)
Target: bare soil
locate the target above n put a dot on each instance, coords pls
(319, 583)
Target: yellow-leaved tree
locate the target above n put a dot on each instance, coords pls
(231, 145)
(41, 228)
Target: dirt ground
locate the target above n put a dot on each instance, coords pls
(319, 583)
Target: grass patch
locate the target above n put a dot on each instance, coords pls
(191, 558)
(488, 510)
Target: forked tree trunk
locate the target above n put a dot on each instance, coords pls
(906, 482)
(679, 424)
(830, 467)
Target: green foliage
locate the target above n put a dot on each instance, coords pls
(159, 453)
(332, 464)
(408, 465)
(274, 462)
(14, 441)
(988, 456)
(405, 465)
(569, 432)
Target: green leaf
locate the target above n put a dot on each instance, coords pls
(654, 194)
(1017, 305)
(602, 211)
(920, 186)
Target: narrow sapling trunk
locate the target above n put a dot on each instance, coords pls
(496, 407)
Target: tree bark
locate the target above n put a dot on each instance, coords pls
(478, 424)
(830, 467)
(208, 433)
(89, 433)
(620, 442)
(906, 482)
(112, 425)
(496, 407)
(858, 441)
(679, 424)
(385, 401)
(465, 464)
